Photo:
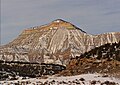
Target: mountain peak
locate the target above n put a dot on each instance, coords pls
(54, 25)
(59, 20)
(57, 24)
(60, 23)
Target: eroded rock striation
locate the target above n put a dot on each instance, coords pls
(55, 42)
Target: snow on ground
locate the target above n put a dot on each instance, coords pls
(84, 79)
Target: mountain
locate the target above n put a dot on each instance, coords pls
(55, 42)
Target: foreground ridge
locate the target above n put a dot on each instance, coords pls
(104, 59)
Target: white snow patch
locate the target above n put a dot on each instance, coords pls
(88, 78)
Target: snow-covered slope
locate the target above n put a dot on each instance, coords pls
(55, 42)
(83, 79)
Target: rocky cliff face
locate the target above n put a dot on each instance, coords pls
(55, 42)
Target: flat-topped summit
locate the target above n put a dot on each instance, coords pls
(59, 20)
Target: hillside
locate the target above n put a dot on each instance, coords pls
(104, 59)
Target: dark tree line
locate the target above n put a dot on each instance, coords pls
(107, 51)
(26, 69)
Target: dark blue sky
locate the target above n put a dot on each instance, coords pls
(93, 16)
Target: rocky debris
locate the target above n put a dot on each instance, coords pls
(57, 41)
(82, 79)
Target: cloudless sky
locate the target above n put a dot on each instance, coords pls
(92, 16)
